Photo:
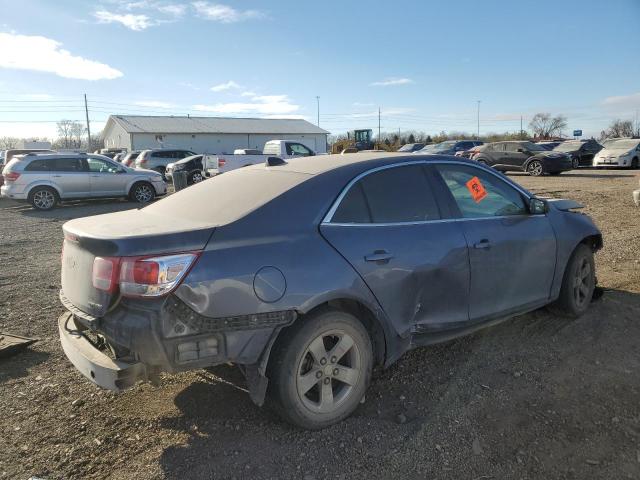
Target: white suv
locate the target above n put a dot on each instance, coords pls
(45, 179)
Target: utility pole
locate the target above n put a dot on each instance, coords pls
(478, 135)
(379, 126)
(318, 103)
(86, 112)
(521, 132)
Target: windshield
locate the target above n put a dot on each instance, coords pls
(439, 147)
(620, 143)
(406, 148)
(568, 146)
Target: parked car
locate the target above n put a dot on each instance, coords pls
(411, 147)
(129, 159)
(192, 165)
(247, 151)
(619, 152)
(112, 152)
(469, 152)
(549, 145)
(523, 156)
(159, 159)
(7, 155)
(405, 251)
(284, 149)
(450, 147)
(46, 179)
(581, 151)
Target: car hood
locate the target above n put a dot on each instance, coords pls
(613, 152)
(151, 173)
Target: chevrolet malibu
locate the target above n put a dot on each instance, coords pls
(310, 272)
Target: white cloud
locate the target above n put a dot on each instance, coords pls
(132, 21)
(391, 82)
(629, 101)
(171, 9)
(261, 105)
(154, 104)
(248, 93)
(224, 13)
(41, 54)
(225, 86)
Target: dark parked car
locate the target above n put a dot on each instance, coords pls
(548, 145)
(471, 151)
(192, 165)
(310, 272)
(450, 147)
(411, 147)
(523, 156)
(581, 152)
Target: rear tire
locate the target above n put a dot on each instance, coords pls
(320, 369)
(575, 163)
(578, 284)
(534, 168)
(142, 192)
(43, 198)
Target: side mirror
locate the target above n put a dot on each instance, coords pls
(537, 206)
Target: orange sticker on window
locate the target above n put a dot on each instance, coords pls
(476, 189)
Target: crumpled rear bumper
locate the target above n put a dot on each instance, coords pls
(94, 364)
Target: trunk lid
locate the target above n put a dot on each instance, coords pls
(122, 234)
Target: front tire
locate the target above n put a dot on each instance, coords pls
(142, 192)
(578, 284)
(634, 163)
(195, 177)
(575, 163)
(534, 168)
(43, 198)
(320, 369)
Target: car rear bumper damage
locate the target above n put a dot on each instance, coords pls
(94, 364)
(164, 337)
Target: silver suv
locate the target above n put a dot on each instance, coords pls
(159, 159)
(45, 179)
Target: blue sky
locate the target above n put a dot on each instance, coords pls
(424, 63)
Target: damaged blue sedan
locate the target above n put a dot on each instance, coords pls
(307, 273)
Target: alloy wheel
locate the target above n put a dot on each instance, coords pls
(575, 163)
(196, 177)
(143, 194)
(535, 168)
(329, 370)
(44, 199)
(582, 283)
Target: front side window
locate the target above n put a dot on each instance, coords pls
(393, 195)
(297, 149)
(101, 166)
(68, 165)
(480, 194)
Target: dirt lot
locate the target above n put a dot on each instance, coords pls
(536, 397)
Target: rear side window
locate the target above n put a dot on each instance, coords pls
(38, 166)
(480, 194)
(68, 165)
(393, 195)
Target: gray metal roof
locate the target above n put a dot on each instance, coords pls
(171, 124)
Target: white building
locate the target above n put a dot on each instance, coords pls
(208, 134)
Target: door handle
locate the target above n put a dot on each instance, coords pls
(379, 256)
(482, 244)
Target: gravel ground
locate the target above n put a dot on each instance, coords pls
(535, 397)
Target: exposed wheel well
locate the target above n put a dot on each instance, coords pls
(136, 183)
(366, 317)
(50, 187)
(593, 241)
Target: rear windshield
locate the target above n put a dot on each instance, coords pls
(228, 197)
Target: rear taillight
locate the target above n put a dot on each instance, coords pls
(142, 276)
(105, 273)
(221, 162)
(11, 176)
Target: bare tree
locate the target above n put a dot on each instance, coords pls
(64, 131)
(77, 133)
(8, 142)
(544, 125)
(617, 129)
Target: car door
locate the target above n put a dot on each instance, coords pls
(107, 178)
(496, 154)
(388, 226)
(71, 177)
(512, 252)
(515, 156)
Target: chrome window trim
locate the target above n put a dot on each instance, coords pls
(327, 218)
